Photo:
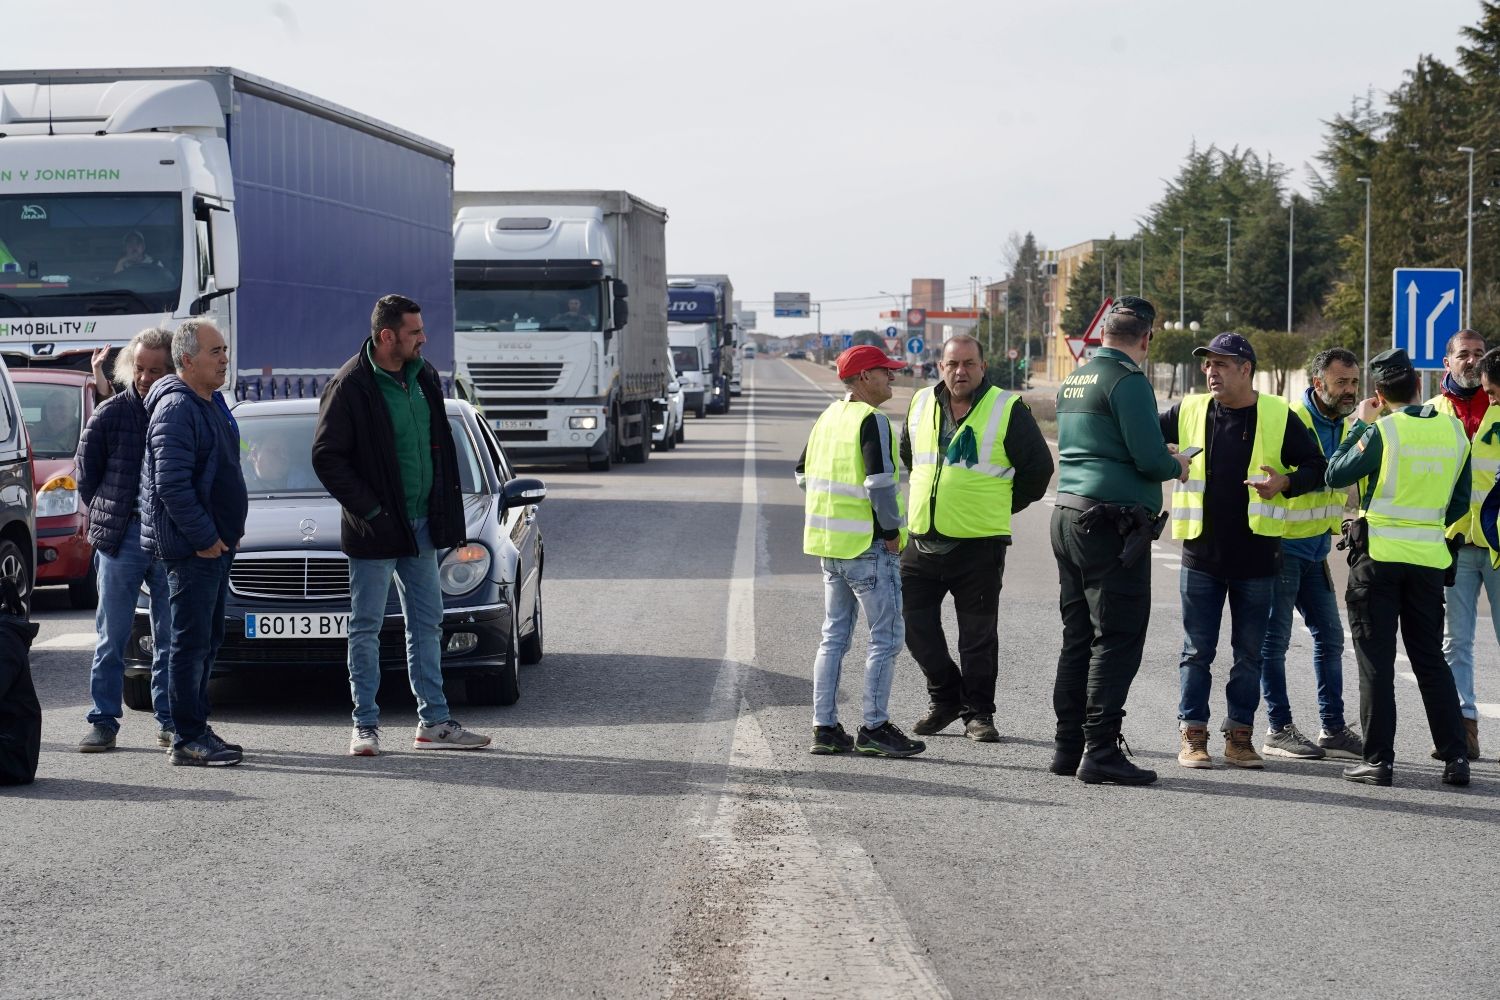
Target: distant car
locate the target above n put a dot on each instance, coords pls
(796, 355)
(667, 433)
(55, 405)
(17, 491)
(289, 584)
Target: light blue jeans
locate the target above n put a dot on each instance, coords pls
(1462, 599)
(120, 577)
(421, 605)
(871, 581)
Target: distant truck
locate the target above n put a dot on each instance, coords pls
(561, 331)
(709, 299)
(140, 197)
(692, 354)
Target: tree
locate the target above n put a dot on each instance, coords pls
(1175, 348)
(1280, 353)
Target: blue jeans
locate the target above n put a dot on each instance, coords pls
(198, 588)
(1462, 600)
(1202, 610)
(1304, 585)
(871, 581)
(422, 607)
(119, 579)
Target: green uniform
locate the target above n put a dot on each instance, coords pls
(1110, 450)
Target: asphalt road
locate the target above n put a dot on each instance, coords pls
(649, 824)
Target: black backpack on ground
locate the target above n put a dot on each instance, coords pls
(20, 711)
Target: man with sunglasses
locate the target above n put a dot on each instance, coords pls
(1112, 461)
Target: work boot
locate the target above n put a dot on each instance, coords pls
(936, 720)
(1238, 748)
(1471, 732)
(1194, 752)
(981, 729)
(1106, 762)
(1065, 761)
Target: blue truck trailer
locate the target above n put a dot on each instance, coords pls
(137, 197)
(708, 299)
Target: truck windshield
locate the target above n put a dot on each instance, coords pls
(90, 254)
(553, 306)
(685, 359)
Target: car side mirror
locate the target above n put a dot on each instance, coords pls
(523, 493)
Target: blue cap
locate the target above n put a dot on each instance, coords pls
(1228, 344)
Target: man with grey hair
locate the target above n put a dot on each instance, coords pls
(109, 460)
(193, 508)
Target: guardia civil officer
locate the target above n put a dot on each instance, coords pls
(976, 457)
(1415, 462)
(1112, 461)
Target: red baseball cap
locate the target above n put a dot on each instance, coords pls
(863, 358)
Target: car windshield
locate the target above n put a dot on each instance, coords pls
(90, 254)
(555, 306)
(276, 455)
(685, 359)
(54, 417)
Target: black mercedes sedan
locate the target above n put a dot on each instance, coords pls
(289, 586)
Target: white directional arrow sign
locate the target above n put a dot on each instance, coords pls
(1429, 316)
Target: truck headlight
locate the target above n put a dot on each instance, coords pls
(464, 568)
(58, 495)
(582, 423)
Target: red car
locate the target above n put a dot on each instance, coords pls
(55, 405)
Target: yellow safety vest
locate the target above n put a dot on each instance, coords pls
(1484, 463)
(1267, 517)
(840, 523)
(1421, 458)
(1320, 511)
(966, 499)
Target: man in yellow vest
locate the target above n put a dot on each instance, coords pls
(1463, 397)
(1251, 457)
(976, 457)
(855, 523)
(1415, 462)
(1305, 583)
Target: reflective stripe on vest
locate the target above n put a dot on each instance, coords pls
(839, 523)
(1266, 517)
(1420, 462)
(967, 499)
(1320, 511)
(1484, 463)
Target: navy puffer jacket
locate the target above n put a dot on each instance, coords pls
(177, 476)
(109, 467)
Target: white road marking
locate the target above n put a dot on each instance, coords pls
(808, 379)
(1488, 709)
(68, 640)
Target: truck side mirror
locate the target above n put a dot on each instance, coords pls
(224, 241)
(622, 312)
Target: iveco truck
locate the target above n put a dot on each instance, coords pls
(139, 197)
(561, 330)
(708, 299)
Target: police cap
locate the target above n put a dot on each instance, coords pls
(1389, 364)
(1130, 305)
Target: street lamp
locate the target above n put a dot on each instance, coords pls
(1469, 266)
(1228, 249)
(1181, 272)
(1291, 250)
(1366, 182)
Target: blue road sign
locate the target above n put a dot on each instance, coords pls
(891, 331)
(848, 340)
(915, 345)
(1425, 312)
(827, 340)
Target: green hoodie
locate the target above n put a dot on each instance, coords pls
(411, 420)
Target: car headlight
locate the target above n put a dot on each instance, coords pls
(58, 495)
(464, 568)
(582, 423)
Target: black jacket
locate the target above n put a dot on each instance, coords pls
(110, 455)
(354, 454)
(183, 462)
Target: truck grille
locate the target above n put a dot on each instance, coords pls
(521, 435)
(298, 578)
(539, 376)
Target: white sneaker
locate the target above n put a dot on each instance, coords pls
(365, 742)
(450, 735)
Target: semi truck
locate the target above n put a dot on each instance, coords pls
(561, 330)
(141, 197)
(708, 299)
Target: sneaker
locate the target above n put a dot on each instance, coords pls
(1238, 750)
(887, 741)
(981, 729)
(1289, 742)
(831, 739)
(1345, 744)
(97, 740)
(450, 735)
(203, 752)
(209, 734)
(1456, 772)
(1194, 752)
(365, 742)
(165, 738)
(936, 720)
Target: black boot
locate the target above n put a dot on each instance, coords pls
(1065, 760)
(1106, 762)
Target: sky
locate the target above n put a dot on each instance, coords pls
(834, 147)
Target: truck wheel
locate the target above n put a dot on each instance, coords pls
(701, 410)
(640, 450)
(138, 692)
(84, 593)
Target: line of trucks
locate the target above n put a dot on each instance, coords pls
(141, 197)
